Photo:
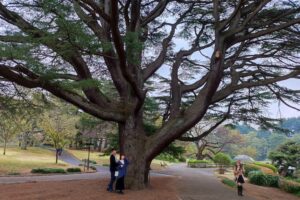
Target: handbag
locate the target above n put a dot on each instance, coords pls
(116, 173)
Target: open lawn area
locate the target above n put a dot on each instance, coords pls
(104, 160)
(17, 161)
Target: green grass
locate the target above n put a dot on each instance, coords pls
(94, 156)
(228, 182)
(17, 161)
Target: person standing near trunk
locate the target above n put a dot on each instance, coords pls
(113, 164)
(122, 169)
(239, 176)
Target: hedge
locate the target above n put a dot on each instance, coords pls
(249, 168)
(259, 178)
(272, 167)
(200, 161)
(289, 186)
(75, 169)
(48, 171)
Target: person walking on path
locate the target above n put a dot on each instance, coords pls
(239, 176)
(113, 164)
(122, 168)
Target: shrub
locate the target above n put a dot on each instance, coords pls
(200, 161)
(105, 165)
(258, 178)
(48, 171)
(75, 169)
(229, 182)
(272, 167)
(273, 181)
(14, 173)
(93, 168)
(222, 159)
(289, 186)
(249, 168)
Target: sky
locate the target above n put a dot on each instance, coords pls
(281, 110)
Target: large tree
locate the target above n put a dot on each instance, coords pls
(194, 56)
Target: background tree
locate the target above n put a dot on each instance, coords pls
(58, 128)
(233, 50)
(222, 160)
(288, 154)
(8, 128)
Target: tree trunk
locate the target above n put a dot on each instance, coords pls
(132, 145)
(56, 156)
(5, 144)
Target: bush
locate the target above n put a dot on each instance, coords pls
(289, 186)
(75, 169)
(222, 159)
(258, 178)
(229, 182)
(48, 171)
(105, 165)
(249, 168)
(272, 167)
(273, 181)
(200, 161)
(167, 157)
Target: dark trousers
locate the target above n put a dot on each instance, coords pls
(112, 180)
(120, 184)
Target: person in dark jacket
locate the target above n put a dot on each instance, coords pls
(239, 176)
(122, 169)
(112, 168)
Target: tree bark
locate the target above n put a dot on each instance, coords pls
(5, 144)
(132, 145)
(56, 156)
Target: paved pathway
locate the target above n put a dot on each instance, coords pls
(197, 184)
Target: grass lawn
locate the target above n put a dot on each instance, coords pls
(81, 154)
(17, 161)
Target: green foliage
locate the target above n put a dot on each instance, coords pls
(222, 159)
(48, 171)
(273, 181)
(259, 178)
(286, 155)
(74, 169)
(229, 182)
(272, 167)
(249, 168)
(200, 161)
(289, 186)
